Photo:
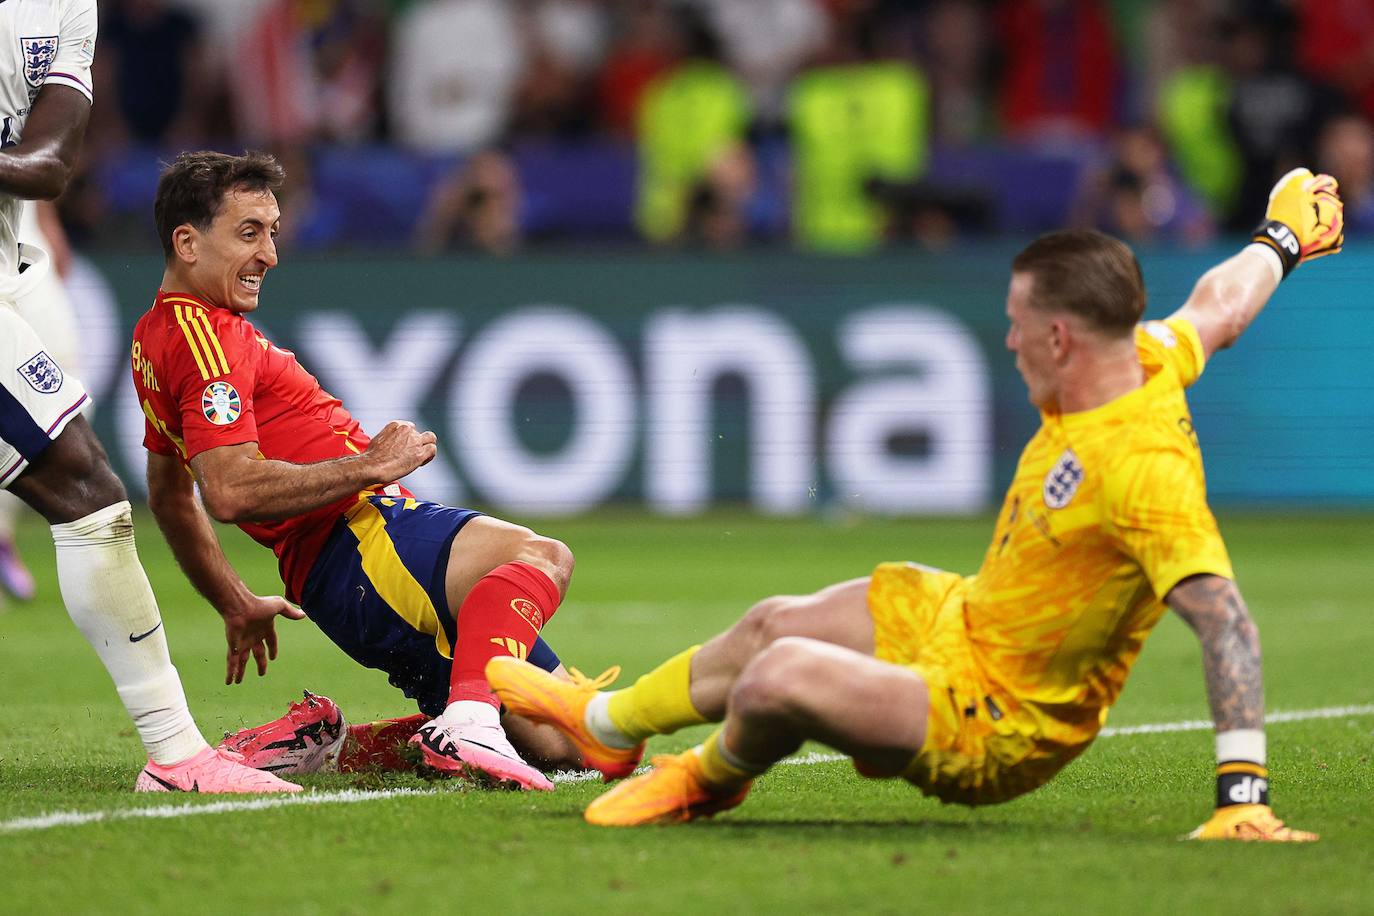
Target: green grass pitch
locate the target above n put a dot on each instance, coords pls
(811, 838)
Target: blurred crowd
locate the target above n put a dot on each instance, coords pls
(840, 124)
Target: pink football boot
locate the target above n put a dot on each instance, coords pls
(307, 739)
(478, 750)
(212, 771)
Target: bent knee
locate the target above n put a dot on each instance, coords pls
(551, 556)
(780, 678)
(769, 621)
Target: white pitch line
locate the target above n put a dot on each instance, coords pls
(1273, 718)
(351, 796)
(67, 818)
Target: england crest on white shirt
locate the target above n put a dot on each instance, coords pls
(42, 373)
(39, 54)
(1061, 483)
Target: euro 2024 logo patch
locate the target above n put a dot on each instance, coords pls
(42, 373)
(39, 53)
(221, 403)
(1061, 483)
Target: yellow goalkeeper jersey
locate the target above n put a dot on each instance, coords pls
(1107, 512)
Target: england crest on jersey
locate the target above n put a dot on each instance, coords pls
(39, 54)
(42, 373)
(1061, 483)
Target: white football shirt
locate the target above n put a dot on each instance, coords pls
(42, 42)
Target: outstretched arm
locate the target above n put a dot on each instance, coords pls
(1305, 220)
(238, 486)
(248, 619)
(1229, 296)
(1212, 606)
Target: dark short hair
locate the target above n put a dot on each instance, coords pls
(191, 189)
(1088, 274)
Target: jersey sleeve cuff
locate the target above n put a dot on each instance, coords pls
(73, 81)
(192, 450)
(1186, 329)
(1167, 577)
(159, 448)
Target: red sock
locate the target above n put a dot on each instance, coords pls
(379, 745)
(502, 615)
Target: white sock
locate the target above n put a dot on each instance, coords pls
(474, 711)
(597, 718)
(108, 597)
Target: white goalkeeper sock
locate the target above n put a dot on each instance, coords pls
(109, 599)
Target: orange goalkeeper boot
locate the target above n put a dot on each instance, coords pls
(673, 792)
(532, 692)
(1255, 823)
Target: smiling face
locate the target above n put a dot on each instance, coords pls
(1034, 338)
(225, 264)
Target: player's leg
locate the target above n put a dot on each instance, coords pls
(837, 615)
(804, 690)
(109, 599)
(692, 687)
(50, 458)
(105, 589)
(47, 309)
(503, 582)
(793, 691)
(689, 688)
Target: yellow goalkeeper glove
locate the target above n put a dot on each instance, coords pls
(1305, 219)
(1249, 822)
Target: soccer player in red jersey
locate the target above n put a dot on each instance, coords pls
(422, 591)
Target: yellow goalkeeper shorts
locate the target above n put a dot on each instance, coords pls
(981, 747)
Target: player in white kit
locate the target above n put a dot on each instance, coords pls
(48, 310)
(49, 457)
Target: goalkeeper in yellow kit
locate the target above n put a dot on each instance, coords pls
(979, 689)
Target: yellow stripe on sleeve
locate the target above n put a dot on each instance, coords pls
(210, 332)
(215, 369)
(393, 582)
(191, 342)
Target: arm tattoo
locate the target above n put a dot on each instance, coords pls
(1212, 606)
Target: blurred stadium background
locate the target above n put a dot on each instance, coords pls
(681, 253)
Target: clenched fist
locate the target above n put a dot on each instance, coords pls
(1305, 219)
(399, 449)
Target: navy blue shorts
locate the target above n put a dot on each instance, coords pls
(377, 591)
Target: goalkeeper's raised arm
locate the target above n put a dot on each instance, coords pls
(1304, 220)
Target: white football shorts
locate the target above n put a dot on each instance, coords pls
(37, 400)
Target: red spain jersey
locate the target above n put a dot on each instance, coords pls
(206, 378)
